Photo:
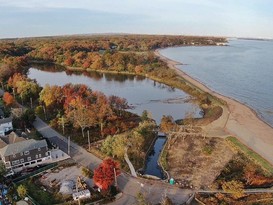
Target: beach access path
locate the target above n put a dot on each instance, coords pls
(237, 119)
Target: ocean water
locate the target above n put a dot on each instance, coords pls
(243, 70)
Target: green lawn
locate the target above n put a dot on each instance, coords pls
(41, 196)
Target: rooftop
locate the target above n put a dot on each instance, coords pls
(22, 146)
(5, 120)
(2, 143)
(12, 138)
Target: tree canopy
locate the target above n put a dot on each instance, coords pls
(8, 99)
(22, 190)
(3, 169)
(104, 175)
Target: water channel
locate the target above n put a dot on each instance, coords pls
(152, 167)
(140, 92)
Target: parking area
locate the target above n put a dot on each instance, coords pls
(58, 176)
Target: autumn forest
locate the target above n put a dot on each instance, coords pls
(77, 109)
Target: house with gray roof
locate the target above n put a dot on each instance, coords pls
(5, 125)
(24, 153)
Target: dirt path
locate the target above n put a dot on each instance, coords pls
(237, 119)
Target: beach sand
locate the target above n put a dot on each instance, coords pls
(237, 119)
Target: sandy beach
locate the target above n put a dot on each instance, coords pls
(237, 119)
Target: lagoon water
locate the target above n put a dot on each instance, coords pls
(140, 92)
(242, 70)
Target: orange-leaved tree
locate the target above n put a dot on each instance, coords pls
(8, 99)
(104, 175)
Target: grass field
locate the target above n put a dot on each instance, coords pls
(265, 165)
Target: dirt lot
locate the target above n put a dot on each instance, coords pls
(195, 161)
(63, 174)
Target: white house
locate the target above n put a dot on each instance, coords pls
(5, 125)
(81, 194)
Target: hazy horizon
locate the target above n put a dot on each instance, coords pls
(32, 18)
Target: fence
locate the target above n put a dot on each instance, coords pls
(36, 172)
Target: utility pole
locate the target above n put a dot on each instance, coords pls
(13, 91)
(68, 146)
(89, 146)
(22, 99)
(63, 123)
(116, 183)
(44, 112)
(31, 102)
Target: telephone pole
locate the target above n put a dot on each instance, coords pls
(116, 183)
(63, 123)
(89, 146)
(31, 102)
(44, 112)
(68, 146)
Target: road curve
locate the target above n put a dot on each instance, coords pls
(130, 186)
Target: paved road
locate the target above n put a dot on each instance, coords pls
(56, 141)
(79, 154)
(154, 191)
(130, 186)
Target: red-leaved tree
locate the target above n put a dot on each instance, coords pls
(104, 175)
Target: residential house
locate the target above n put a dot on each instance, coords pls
(81, 194)
(2, 143)
(10, 139)
(5, 125)
(19, 153)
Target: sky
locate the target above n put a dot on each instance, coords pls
(231, 18)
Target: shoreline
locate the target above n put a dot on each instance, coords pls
(237, 119)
